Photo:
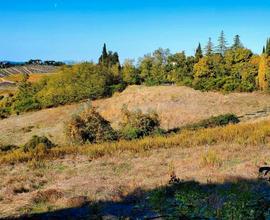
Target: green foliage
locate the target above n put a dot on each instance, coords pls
(130, 73)
(84, 81)
(71, 84)
(108, 59)
(7, 148)
(90, 127)
(191, 200)
(36, 141)
(212, 122)
(198, 53)
(4, 112)
(137, 125)
(237, 42)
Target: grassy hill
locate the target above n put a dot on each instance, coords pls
(176, 106)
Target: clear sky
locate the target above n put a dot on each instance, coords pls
(77, 29)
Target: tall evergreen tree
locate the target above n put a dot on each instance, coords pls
(209, 47)
(198, 53)
(222, 44)
(237, 42)
(104, 57)
(263, 50)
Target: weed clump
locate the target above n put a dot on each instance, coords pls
(38, 142)
(90, 127)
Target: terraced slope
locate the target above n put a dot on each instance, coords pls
(28, 69)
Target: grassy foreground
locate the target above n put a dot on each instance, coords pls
(255, 134)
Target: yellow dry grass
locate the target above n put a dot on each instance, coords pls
(111, 171)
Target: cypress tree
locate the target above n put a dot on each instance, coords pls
(103, 60)
(263, 50)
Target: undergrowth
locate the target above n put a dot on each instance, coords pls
(242, 134)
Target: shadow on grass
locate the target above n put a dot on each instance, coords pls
(235, 198)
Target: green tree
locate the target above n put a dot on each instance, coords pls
(222, 44)
(237, 42)
(130, 73)
(104, 57)
(198, 53)
(209, 47)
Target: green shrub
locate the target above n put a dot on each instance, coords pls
(4, 113)
(90, 127)
(220, 120)
(36, 141)
(137, 125)
(7, 148)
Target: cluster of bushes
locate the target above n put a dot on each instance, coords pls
(71, 84)
(91, 127)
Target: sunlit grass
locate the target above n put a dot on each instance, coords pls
(242, 134)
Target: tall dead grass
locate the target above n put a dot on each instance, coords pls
(255, 134)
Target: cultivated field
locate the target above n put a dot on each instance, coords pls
(27, 69)
(176, 106)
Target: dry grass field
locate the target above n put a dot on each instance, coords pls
(176, 106)
(42, 186)
(115, 177)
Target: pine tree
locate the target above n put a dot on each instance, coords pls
(237, 42)
(199, 53)
(222, 44)
(209, 47)
(263, 50)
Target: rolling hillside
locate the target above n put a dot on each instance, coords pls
(176, 106)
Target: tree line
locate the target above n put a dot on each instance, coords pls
(220, 68)
(216, 67)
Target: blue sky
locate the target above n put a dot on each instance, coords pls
(77, 29)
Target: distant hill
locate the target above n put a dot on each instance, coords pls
(27, 69)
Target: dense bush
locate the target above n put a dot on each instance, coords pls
(90, 127)
(212, 122)
(37, 141)
(137, 125)
(70, 84)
